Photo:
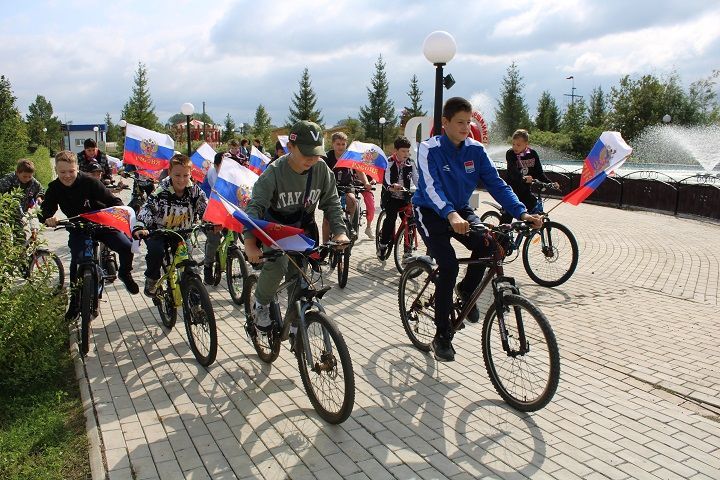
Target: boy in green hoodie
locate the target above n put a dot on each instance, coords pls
(288, 192)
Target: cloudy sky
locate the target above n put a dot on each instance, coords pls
(234, 55)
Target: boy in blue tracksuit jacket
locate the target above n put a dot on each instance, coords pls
(450, 167)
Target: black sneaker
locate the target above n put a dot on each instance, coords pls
(443, 349)
(208, 276)
(473, 316)
(73, 312)
(129, 283)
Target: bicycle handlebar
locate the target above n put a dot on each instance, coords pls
(543, 185)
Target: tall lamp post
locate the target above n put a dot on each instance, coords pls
(95, 129)
(47, 144)
(242, 129)
(382, 132)
(439, 48)
(666, 118)
(188, 109)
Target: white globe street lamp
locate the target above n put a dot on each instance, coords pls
(188, 109)
(382, 132)
(439, 48)
(667, 118)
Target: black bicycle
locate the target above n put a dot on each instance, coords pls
(340, 259)
(550, 254)
(91, 277)
(323, 357)
(519, 347)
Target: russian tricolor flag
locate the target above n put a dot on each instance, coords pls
(272, 235)
(258, 161)
(283, 139)
(364, 157)
(608, 154)
(121, 218)
(147, 149)
(202, 160)
(234, 184)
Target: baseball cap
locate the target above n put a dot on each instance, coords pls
(94, 167)
(308, 137)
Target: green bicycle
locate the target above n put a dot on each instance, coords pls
(231, 259)
(181, 286)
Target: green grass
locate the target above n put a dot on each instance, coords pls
(42, 431)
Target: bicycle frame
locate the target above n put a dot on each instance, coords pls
(226, 244)
(176, 268)
(407, 218)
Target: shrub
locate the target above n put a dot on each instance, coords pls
(43, 165)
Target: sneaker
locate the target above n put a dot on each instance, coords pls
(263, 322)
(150, 286)
(443, 349)
(382, 251)
(208, 276)
(72, 312)
(129, 283)
(473, 316)
(369, 232)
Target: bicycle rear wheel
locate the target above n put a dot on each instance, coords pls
(328, 377)
(267, 346)
(416, 299)
(550, 255)
(378, 235)
(48, 265)
(87, 292)
(216, 271)
(491, 217)
(199, 321)
(236, 275)
(343, 266)
(402, 248)
(525, 378)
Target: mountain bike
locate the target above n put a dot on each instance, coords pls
(340, 259)
(181, 286)
(519, 347)
(550, 254)
(139, 193)
(405, 238)
(91, 278)
(40, 260)
(323, 357)
(230, 259)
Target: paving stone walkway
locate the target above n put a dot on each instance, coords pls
(639, 397)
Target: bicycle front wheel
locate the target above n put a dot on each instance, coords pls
(267, 346)
(328, 375)
(378, 234)
(199, 321)
(550, 254)
(416, 298)
(50, 267)
(526, 377)
(236, 275)
(406, 244)
(343, 267)
(87, 292)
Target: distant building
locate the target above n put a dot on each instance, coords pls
(198, 131)
(75, 135)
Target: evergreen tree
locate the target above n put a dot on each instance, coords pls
(548, 114)
(13, 133)
(180, 118)
(415, 94)
(40, 115)
(113, 131)
(575, 117)
(379, 105)
(597, 112)
(352, 128)
(262, 126)
(512, 112)
(139, 109)
(304, 102)
(229, 129)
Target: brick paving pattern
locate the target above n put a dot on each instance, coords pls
(638, 397)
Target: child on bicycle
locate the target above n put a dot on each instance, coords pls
(24, 179)
(96, 171)
(523, 166)
(213, 237)
(177, 203)
(394, 197)
(450, 167)
(75, 193)
(288, 192)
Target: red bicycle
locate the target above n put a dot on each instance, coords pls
(405, 239)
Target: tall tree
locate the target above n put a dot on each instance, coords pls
(548, 113)
(262, 126)
(379, 105)
(597, 111)
(703, 99)
(139, 109)
(511, 112)
(304, 103)
(228, 129)
(415, 94)
(180, 118)
(13, 133)
(113, 131)
(40, 116)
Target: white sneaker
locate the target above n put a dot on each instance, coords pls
(263, 322)
(150, 286)
(369, 232)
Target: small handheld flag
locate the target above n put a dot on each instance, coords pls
(147, 149)
(364, 157)
(120, 218)
(202, 159)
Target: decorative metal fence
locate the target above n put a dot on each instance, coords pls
(697, 194)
